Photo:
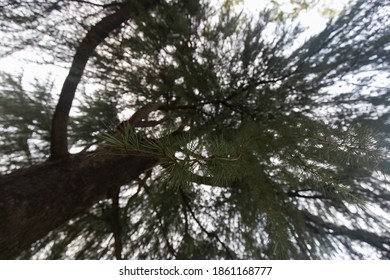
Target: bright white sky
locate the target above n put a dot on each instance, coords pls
(312, 19)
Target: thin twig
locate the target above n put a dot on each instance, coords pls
(209, 234)
(160, 221)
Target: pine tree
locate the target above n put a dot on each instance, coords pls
(243, 143)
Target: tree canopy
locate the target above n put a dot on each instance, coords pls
(197, 132)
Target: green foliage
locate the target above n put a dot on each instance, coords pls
(97, 115)
(247, 165)
(24, 122)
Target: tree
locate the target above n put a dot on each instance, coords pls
(227, 153)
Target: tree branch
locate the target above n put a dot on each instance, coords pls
(161, 223)
(95, 36)
(381, 243)
(211, 235)
(112, 4)
(297, 193)
(38, 199)
(115, 224)
(139, 115)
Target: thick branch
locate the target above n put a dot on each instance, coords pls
(38, 199)
(95, 36)
(139, 115)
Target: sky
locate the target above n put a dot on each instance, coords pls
(19, 62)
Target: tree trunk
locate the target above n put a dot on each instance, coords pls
(36, 200)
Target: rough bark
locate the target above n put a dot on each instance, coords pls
(38, 199)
